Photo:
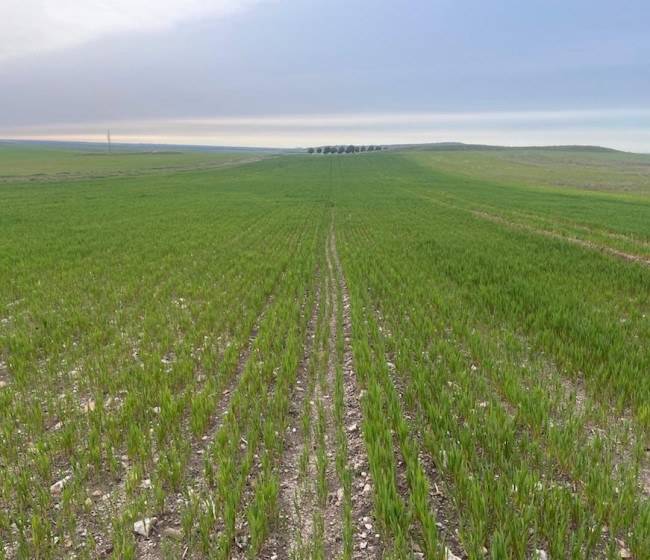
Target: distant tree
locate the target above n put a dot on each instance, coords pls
(319, 150)
(363, 148)
(341, 149)
(310, 151)
(371, 148)
(349, 149)
(326, 150)
(357, 149)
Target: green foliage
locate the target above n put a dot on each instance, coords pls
(152, 330)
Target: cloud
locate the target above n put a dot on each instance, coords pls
(625, 129)
(32, 26)
(377, 120)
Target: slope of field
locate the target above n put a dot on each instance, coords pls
(323, 357)
(31, 163)
(594, 171)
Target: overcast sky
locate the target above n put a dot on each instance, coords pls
(306, 72)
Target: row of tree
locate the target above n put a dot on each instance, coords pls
(343, 149)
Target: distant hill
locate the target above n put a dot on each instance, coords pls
(169, 148)
(150, 148)
(461, 147)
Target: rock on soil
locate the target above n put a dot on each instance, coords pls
(89, 406)
(143, 526)
(57, 487)
(172, 533)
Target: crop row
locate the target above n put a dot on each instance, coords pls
(514, 369)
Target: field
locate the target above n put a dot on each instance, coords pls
(19, 162)
(386, 355)
(584, 170)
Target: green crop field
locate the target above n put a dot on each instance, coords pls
(20, 162)
(382, 355)
(585, 170)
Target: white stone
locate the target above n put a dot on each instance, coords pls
(57, 487)
(449, 555)
(90, 405)
(143, 526)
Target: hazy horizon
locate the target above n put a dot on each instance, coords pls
(287, 73)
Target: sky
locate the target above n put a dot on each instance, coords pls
(287, 73)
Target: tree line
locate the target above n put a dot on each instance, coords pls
(350, 149)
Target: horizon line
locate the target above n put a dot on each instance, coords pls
(306, 147)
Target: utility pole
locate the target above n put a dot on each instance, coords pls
(108, 138)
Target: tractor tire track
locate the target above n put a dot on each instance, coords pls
(292, 500)
(361, 490)
(629, 257)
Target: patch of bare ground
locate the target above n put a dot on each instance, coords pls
(4, 372)
(299, 504)
(583, 243)
(361, 499)
(332, 514)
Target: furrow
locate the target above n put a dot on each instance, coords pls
(358, 491)
(171, 516)
(581, 242)
(292, 499)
